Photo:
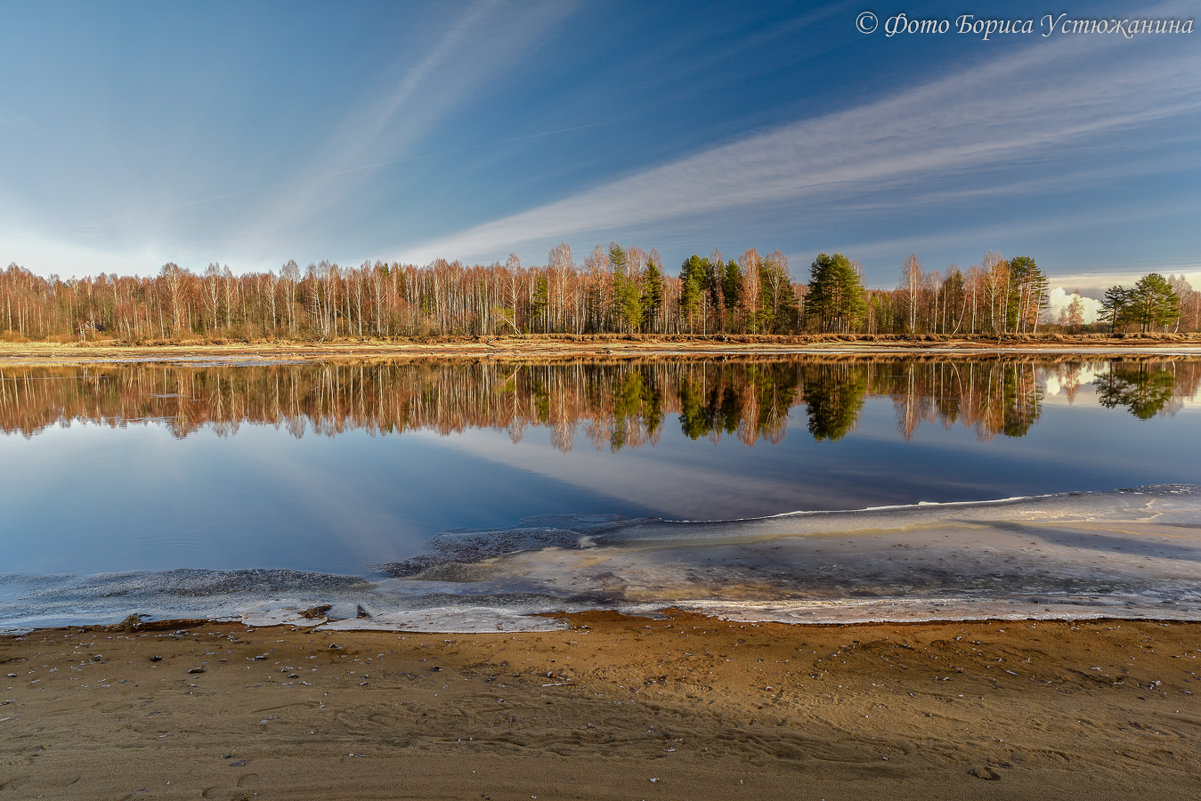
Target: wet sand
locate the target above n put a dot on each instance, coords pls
(686, 707)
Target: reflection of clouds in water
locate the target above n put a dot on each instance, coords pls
(1069, 379)
(1082, 384)
(675, 488)
(338, 502)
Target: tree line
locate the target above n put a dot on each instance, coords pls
(1153, 302)
(611, 404)
(616, 290)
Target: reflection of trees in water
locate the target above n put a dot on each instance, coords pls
(750, 401)
(1068, 374)
(612, 404)
(833, 398)
(1146, 389)
(1021, 400)
(995, 396)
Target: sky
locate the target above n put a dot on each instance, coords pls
(140, 133)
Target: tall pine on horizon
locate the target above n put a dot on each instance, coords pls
(837, 300)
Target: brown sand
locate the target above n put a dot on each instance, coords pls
(615, 707)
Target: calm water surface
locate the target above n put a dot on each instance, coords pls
(336, 468)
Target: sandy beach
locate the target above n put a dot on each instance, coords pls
(681, 707)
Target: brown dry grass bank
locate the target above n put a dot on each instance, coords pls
(553, 346)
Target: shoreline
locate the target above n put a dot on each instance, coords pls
(471, 621)
(612, 707)
(1126, 553)
(1054, 556)
(536, 347)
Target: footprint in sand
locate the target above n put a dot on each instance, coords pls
(213, 792)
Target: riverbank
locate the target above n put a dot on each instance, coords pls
(683, 707)
(566, 346)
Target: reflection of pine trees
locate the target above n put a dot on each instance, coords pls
(1146, 389)
(637, 410)
(751, 401)
(616, 404)
(833, 397)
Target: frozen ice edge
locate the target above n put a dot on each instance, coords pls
(517, 603)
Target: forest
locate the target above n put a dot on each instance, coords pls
(616, 290)
(612, 404)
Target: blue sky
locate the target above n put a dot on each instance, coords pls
(132, 134)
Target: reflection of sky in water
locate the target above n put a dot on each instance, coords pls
(88, 498)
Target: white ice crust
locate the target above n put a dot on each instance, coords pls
(1132, 553)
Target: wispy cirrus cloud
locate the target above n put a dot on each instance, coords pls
(495, 34)
(165, 208)
(1024, 109)
(1139, 211)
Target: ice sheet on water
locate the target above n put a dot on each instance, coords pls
(1133, 552)
(1174, 504)
(38, 601)
(1126, 553)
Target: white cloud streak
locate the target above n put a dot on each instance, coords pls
(495, 34)
(1024, 107)
(980, 236)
